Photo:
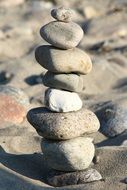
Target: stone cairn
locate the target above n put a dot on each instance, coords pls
(63, 123)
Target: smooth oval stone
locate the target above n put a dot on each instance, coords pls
(58, 178)
(53, 125)
(62, 14)
(70, 82)
(62, 101)
(63, 61)
(70, 155)
(62, 35)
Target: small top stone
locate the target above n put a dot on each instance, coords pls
(62, 14)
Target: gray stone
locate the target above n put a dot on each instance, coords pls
(70, 155)
(53, 125)
(62, 101)
(113, 118)
(62, 35)
(70, 82)
(62, 14)
(63, 61)
(58, 178)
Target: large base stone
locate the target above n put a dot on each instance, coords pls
(57, 178)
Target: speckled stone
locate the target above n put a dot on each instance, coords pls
(70, 155)
(70, 82)
(62, 35)
(53, 125)
(63, 61)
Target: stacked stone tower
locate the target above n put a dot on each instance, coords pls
(63, 123)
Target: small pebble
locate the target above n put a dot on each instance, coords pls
(62, 14)
(96, 159)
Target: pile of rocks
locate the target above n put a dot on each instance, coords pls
(63, 123)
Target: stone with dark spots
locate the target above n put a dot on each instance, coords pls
(53, 125)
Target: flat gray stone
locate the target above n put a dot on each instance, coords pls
(62, 101)
(58, 179)
(62, 14)
(62, 35)
(70, 155)
(63, 61)
(70, 82)
(53, 125)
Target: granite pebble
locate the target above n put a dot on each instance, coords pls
(53, 125)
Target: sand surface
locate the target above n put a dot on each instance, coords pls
(21, 161)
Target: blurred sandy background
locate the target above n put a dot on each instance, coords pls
(105, 39)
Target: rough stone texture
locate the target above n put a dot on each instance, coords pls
(70, 155)
(62, 14)
(113, 117)
(62, 101)
(58, 179)
(63, 61)
(62, 35)
(70, 82)
(12, 106)
(55, 125)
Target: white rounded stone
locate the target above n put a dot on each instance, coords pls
(62, 101)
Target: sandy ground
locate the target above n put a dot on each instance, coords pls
(105, 39)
